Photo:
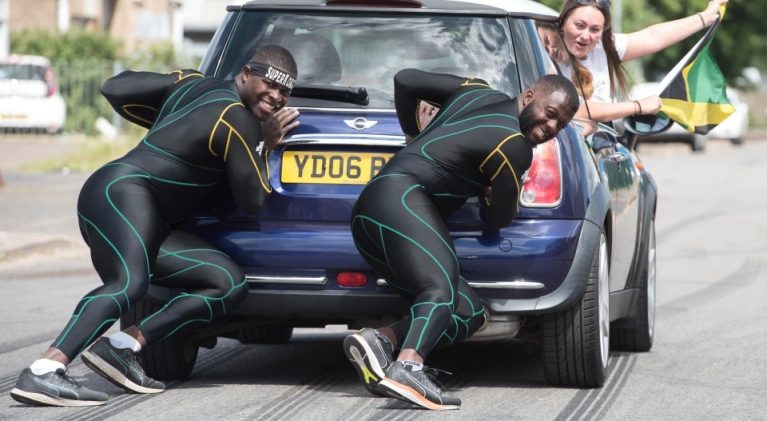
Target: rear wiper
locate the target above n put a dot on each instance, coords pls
(352, 94)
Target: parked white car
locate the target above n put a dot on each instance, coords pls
(734, 128)
(29, 95)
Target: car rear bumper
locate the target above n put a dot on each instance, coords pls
(32, 113)
(291, 268)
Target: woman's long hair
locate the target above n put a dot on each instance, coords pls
(618, 83)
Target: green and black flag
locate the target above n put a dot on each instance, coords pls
(694, 93)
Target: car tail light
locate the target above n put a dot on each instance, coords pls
(543, 184)
(51, 81)
(376, 3)
(351, 279)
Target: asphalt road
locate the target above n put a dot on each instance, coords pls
(707, 362)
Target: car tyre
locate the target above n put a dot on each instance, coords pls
(170, 359)
(698, 143)
(576, 342)
(636, 332)
(265, 334)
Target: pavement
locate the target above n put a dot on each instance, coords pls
(37, 210)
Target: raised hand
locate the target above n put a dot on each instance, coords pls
(277, 125)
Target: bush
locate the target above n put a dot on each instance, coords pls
(83, 60)
(73, 45)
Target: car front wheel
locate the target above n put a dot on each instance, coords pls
(576, 342)
(698, 143)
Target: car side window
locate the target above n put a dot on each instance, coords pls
(530, 56)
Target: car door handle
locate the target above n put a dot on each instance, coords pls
(617, 157)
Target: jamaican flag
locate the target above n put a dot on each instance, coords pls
(694, 92)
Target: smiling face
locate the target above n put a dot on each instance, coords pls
(583, 29)
(542, 117)
(259, 94)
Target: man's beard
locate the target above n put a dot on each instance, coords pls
(527, 120)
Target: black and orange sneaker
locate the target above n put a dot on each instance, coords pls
(418, 387)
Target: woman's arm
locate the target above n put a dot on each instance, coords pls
(604, 112)
(659, 36)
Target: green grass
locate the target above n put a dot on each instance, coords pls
(92, 153)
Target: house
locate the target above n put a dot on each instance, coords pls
(187, 24)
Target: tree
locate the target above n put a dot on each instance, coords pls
(739, 43)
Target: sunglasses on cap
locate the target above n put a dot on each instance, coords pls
(601, 4)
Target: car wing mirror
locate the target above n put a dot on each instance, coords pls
(646, 125)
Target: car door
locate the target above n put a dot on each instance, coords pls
(618, 169)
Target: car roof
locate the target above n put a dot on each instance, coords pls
(520, 8)
(26, 59)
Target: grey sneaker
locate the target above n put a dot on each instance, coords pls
(121, 367)
(371, 354)
(55, 389)
(417, 387)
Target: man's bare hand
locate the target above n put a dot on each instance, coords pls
(426, 113)
(277, 125)
(488, 195)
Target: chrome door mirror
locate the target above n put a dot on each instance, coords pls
(646, 125)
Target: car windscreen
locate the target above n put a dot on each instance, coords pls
(356, 50)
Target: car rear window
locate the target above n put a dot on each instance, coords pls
(21, 71)
(344, 49)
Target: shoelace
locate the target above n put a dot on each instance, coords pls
(432, 374)
(139, 366)
(133, 361)
(65, 375)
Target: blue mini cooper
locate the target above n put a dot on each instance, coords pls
(575, 271)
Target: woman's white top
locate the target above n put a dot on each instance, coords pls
(596, 63)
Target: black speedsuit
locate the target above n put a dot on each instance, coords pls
(398, 222)
(199, 134)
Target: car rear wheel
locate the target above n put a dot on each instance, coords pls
(636, 332)
(576, 342)
(170, 359)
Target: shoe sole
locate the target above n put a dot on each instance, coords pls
(33, 398)
(365, 362)
(408, 394)
(110, 373)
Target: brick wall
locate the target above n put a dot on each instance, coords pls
(24, 14)
(139, 24)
